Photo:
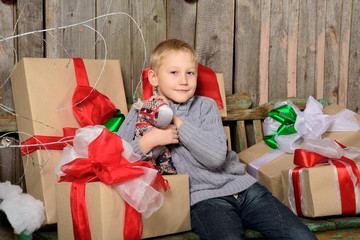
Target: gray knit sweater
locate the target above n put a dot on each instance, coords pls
(202, 151)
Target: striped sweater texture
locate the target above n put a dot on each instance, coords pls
(202, 151)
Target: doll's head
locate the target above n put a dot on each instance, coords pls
(152, 112)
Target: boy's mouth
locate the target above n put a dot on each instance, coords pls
(181, 90)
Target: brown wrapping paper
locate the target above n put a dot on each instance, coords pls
(42, 90)
(269, 175)
(320, 193)
(106, 211)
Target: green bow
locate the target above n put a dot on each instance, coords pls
(287, 117)
(114, 123)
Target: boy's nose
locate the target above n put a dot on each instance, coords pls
(183, 80)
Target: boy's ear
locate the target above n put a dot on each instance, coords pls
(152, 78)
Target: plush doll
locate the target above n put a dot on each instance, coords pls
(24, 212)
(156, 113)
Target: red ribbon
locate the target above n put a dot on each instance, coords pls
(106, 164)
(57, 143)
(207, 85)
(304, 158)
(89, 106)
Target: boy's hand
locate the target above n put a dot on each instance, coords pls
(177, 121)
(162, 98)
(159, 137)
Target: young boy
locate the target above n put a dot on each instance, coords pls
(224, 198)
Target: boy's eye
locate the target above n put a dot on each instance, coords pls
(191, 73)
(173, 72)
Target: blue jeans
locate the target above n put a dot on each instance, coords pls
(255, 208)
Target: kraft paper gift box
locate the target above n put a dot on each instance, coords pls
(42, 90)
(106, 210)
(269, 175)
(320, 188)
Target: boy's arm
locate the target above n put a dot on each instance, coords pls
(207, 143)
(127, 133)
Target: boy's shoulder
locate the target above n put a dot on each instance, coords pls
(204, 99)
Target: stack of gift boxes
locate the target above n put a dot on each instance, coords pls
(311, 188)
(43, 91)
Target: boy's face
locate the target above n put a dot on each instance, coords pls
(176, 77)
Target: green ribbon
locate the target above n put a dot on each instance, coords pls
(114, 123)
(287, 117)
(23, 236)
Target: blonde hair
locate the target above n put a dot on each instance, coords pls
(165, 47)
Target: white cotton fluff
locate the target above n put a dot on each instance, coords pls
(24, 212)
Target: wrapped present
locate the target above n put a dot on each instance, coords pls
(326, 178)
(98, 154)
(42, 90)
(106, 211)
(285, 132)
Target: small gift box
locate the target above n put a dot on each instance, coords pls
(42, 90)
(287, 134)
(325, 180)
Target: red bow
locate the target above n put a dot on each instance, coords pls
(207, 85)
(304, 158)
(104, 163)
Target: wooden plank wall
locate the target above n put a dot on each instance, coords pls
(122, 37)
(267, 48)
(276, 48)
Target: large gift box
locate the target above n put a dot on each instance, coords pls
(325, 179)
(106, 210)
(266, 164)
(42, 90)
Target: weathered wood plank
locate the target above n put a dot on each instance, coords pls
(215, 37)
(246, 47)
(332, 48)
(7, 122)
(116, 31)
(151, 16)
(238, 101)
(30, 16)
(306, 51)
(262, 111)
(264, 51)
(344, 51)
(353, 100)
(7, 54)
(320, 47)
(7, 58)
(10, 161)
(258, 132)
(77, 41)
(292, 47)
(278, 49)
(241, 135)
(183, 12)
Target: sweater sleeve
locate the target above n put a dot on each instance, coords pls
(127, 133)
(207, 142)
